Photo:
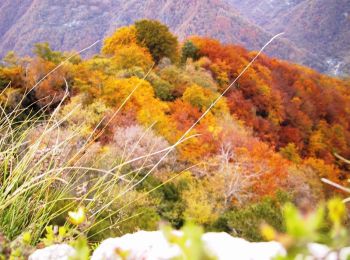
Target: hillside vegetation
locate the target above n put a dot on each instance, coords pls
(120, 133)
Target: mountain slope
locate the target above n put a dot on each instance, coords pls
(66, 26)
(321, 27)
(213, 18)
(264, 11)
(326, 33)
(75, 24)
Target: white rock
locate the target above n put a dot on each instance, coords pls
(154, 246)
(140, 245)
(55, 252)
(226, 247)
(319, 251)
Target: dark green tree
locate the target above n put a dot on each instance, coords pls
(44, 51)
(158, 39)
(189, 50)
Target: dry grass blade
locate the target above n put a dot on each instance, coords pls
(336, 185)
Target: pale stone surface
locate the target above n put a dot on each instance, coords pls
(322, 252)
(153, 246)
(140, 245)
(225, 247)
(55, 252)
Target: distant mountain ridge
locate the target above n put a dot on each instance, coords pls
(263, 12)
(321, 27)
(75, 24)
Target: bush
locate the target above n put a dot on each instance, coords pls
(136, 211)
(245, 222)
(325, 224)
(162, 88)
(135, 141)
(176, 77)
(189, 50)
(171, 205)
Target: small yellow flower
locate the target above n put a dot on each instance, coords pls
(77, 217)
(268, 232)
(337, 211)
(26, 237)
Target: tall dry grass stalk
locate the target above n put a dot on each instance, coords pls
(336, 185)
(42, 166)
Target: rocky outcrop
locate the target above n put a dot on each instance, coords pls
(154, 246)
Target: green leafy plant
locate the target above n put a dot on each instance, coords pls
(82, 249)
(325, 225)
(245, 221)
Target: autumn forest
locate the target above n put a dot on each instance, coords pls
(146, 117)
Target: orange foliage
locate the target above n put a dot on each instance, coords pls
(284, 103)
(274, 106)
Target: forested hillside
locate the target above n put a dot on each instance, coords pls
(132, 111)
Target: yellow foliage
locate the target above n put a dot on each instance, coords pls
(322, 169)
(268, 232)
(265, 90)
(133, 56)
(317, 143)
(213, 125)
(149, 110)
(10, 97)
(122, 37)
(337, 211)
(106, 66)
(115, 91)
(290, 152)
(122, 45)
(193, 149)
(154, 112)
(202, 98)
(200, 206)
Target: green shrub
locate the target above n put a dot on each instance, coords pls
(171, 206)
(325, 225)
(190, 243)
(44, 51)
(189, 50)
(245, 222)
(162, 88)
